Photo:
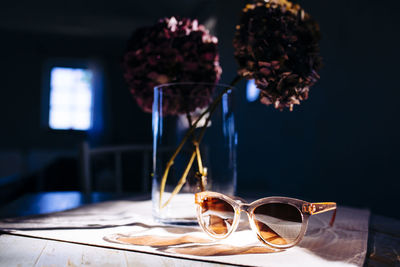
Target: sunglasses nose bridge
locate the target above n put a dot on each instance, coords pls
(244, 207)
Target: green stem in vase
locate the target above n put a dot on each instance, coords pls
(171, 160)
(189, 118)
(199, 161)
(182, 181)
(196, 144)
(210, 110)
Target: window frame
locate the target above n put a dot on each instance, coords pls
(76, 63)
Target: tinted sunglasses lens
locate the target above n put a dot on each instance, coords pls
(217, 215)
(278, 223)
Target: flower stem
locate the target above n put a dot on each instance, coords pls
(178, 149)
(198, 155)
(189, 118)
(210, 110)
(182, 181)
(199, 161)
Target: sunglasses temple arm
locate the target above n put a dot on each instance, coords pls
(316, 208)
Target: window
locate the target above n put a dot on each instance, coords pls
(71, 98)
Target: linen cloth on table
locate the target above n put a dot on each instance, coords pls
(128, 225)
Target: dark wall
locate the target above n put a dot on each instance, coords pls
(34, 34)
(340, 145)
(24, 57)
(52, 156)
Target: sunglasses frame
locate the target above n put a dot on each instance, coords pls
(305, 208)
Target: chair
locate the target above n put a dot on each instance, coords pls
(87, 155)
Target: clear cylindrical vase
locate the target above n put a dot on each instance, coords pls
(194, 147)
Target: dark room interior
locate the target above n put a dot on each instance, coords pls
(341, 144)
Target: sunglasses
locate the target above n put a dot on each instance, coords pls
(280, 222)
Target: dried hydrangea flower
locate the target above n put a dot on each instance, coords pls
(276, 44)
(172, 50)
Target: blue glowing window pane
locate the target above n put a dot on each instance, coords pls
(70, 99)
(252, 92)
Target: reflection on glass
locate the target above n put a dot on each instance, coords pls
(217, 215)
(278, 223)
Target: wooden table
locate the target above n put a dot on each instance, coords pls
(383, 243)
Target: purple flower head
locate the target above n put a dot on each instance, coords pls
(276, 44)
(173, 50)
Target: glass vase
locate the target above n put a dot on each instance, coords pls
(194, 147)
